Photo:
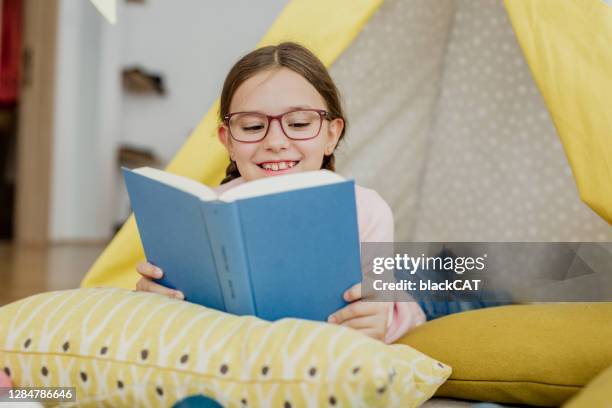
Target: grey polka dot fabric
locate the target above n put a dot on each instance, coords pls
(446, 123)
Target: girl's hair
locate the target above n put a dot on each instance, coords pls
(298, 59)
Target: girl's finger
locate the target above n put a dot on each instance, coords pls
(351, 311)
(149, 270)
(354, 293)
(363, 322)
(147, 285)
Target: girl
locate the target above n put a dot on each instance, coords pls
(280, 113)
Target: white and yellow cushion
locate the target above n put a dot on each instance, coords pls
(124, 348)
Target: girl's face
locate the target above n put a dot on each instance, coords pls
(274, 92)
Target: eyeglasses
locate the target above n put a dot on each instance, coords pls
(252, 127)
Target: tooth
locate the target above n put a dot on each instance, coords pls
(291, 164)
(282, 165)
(274, 166)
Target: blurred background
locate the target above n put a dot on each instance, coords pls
(446, 122)
(80, 97)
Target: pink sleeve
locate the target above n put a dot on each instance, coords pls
(374, 216)
(376, 225)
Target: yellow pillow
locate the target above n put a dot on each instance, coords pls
(124, 348)
(597, 393)
(525, 354)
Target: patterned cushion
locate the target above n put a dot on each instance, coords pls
(127, 348)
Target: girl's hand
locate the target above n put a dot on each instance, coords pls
(370, 318)
(145, 284)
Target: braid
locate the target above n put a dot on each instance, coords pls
(231, 172)
(329, 162)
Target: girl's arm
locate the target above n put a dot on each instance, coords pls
(376, 225)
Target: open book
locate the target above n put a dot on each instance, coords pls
(282, 246)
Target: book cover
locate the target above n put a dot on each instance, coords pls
(265, 248)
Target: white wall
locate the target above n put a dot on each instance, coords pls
(73, 189)
(193, 46)
(193, 43)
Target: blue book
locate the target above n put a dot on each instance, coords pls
(282, 246)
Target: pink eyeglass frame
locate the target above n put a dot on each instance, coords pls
(323, 115)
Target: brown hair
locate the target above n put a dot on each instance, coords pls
(298, 59)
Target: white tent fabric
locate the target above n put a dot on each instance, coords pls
(448, 126)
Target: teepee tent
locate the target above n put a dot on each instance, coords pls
(458, 137)
(446, 120)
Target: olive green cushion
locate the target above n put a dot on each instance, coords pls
(597, 393)
(539, 354)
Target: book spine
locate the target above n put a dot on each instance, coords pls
(229, 252)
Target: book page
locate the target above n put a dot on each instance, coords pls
(277, 184)
(185, 184)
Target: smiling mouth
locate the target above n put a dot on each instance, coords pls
(278, 165)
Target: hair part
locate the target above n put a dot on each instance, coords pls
(296, 58)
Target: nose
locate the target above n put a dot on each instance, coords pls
(275, 140)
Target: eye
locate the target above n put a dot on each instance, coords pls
(300, 124)
(301, 120)
(248, 123)
(253, 128)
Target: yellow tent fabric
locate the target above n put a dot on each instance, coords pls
(568, 46)
(325, 27)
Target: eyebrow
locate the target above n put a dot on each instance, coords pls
(287, 109)
(299, 107)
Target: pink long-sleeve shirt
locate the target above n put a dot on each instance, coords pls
(375, 221)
